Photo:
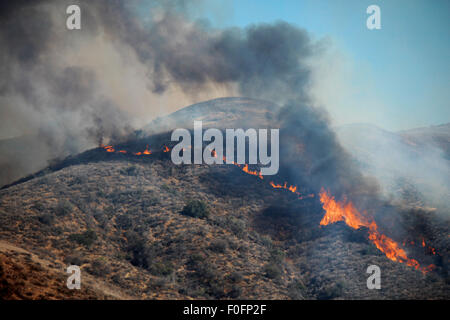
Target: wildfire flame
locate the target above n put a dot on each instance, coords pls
(334, 211)
(430, 249)
(244, 168)
(291, 188)
(147, 151)
(109, 148)
(255, 172)
(345, 211)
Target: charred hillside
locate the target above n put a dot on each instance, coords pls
(80, 185)
(123, 223)
(141, 227)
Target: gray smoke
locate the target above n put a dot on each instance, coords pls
(53, 106)
(66, 102)
(267, 61)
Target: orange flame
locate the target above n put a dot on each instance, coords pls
(334, 211)
(291, 188)
(109, 148)
(430, 249)
(147, 151)
(345, 211)
(255, 173)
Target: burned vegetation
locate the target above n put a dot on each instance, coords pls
(149, 229)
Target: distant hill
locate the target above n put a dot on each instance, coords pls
(436, 135)
(413, 165)
(221, 113)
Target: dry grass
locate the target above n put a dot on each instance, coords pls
(144, 247)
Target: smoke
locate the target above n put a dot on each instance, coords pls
(265, 61)
(64, 91)
(56, 106)
(76, 88)
(68, 86)
(411, 167)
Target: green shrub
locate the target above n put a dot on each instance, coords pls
(168, 189)
(331, 291)
(98, 267)
(216, 288)
(235, 277)
(161, 268)
(272, 271)
(235, 292)
(196, 209)
(194, 260)
(276, 256)
(63, 208)
(137, 250)
(75, 259)
(38, 206)
(46, 219)
(109, 210)
(100, 217)
(370, 249)
(149, 202)
(266, 241)
(86, 238)
(124, 222)
(296, 290)
(238, 227)
(158, 284)
(130, 171)
(219, 246)
(309, 234)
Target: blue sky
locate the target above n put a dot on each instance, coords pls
(407, 61)
(400, 75)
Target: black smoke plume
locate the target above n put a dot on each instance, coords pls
(63, 101)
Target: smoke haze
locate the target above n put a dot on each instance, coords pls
(75, 89)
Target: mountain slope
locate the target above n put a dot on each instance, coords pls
(234, 112)
(257, 242)
(122, 219)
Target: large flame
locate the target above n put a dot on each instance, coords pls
(345, 211)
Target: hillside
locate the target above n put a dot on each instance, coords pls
(126, 221)
(436, 135)
(412, 165)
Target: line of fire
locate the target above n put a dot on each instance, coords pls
(335, 211)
